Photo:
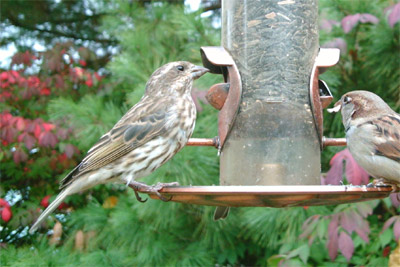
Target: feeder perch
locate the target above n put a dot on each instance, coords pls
(270, 121)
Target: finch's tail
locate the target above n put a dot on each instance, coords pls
(53, 205)
(221, 213)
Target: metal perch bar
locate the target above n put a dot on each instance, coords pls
(214, 142)
(203, 142)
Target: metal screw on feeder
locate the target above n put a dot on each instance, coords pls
(270, 121)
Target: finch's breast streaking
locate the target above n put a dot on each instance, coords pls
(146, 137)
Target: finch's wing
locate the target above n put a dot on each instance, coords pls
(388, 132)
(139, 125)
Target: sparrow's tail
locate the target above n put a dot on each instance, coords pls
(53, 205)
(221, 213)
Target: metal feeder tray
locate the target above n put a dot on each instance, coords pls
(272, 196)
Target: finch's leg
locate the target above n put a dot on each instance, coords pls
(150, 188)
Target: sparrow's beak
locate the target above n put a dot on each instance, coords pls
(198, 71)
(336, 108)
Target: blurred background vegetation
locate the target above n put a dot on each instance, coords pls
(80, 64)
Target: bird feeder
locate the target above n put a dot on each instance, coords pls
(270, 122)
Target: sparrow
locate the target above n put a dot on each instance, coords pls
(372, 134)
(146, 137)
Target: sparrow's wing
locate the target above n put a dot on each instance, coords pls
(388, 132)
(139, 125)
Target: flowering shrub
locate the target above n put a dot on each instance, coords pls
(35, 151)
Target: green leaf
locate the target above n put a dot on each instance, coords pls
(304, 253)
(275, 260)
(386, 237)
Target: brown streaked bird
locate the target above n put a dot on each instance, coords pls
(372, 133)
(146, 137)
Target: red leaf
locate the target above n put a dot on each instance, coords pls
(5, 119)
(309, 225)
(396, 229)
(386, 251)
(368, 18)
(47, 139)
(9, 134)
(78, 72)
(98, 77)
(59, 81)
(19, 155)
(335, 173)
(363, 230)
(333, 237)
(348, 222)
(82, 62)
(349, 22)
(33, 82)
(69, 150)
(6, 214)
(62, 133)
(395, 198)
(20, 123)
(337, 43)
(327, 24)
(389, 222)
(89, 82)
(37, 129)
(364, 209)
(4, 76)
(4, 203)
(15, 74)
(28, 139)
(45, 201)
(45, 91)
(394, 15)
(346, 245)
(48, 126)
(63, 205)
(199, 96)
(333, 246)
(354, 173)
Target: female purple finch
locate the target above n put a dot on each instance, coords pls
(146, 137)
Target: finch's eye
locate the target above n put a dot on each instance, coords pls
(180, 68)
(346, 99)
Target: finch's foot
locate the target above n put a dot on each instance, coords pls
(137, 186)
(150, 188)
(156, 188)
(382, 183)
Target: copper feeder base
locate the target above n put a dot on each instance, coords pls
(272, 196)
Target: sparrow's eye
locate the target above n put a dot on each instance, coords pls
(180, 68)
(346, 99)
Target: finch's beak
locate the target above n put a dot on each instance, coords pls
(198, 71)
(336, 108)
